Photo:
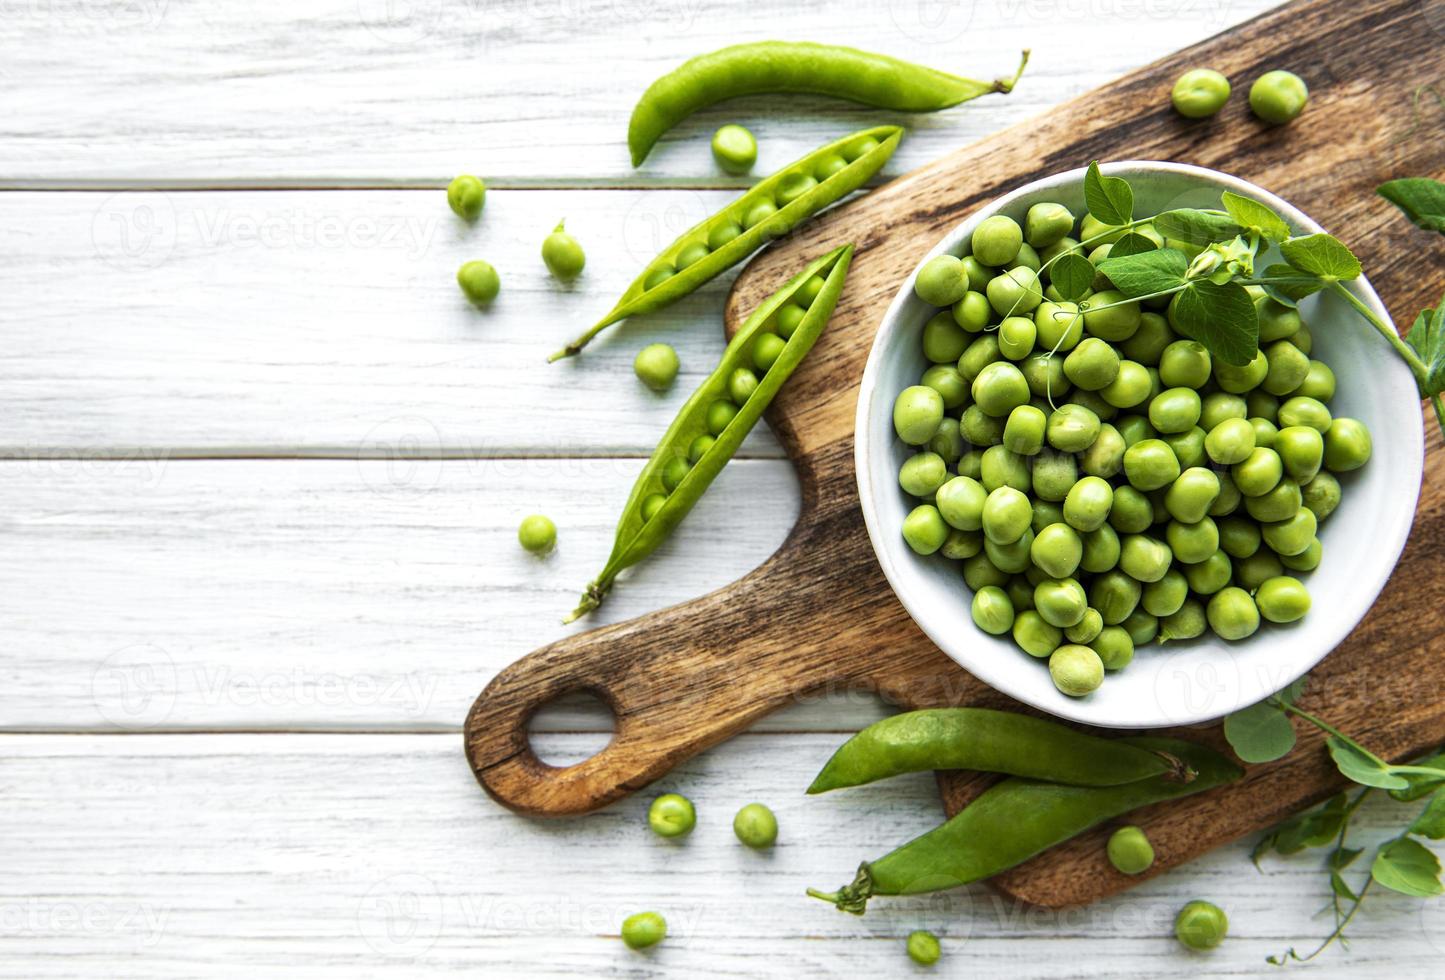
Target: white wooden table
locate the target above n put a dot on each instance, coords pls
(262, 469)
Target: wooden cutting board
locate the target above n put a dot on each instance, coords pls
(819, 614)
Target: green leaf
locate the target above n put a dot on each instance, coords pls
(1221, 317)
(1259, 733)
(1249, 213)
(1072, 275)
(1145, 272)
(1431, 821)
(1422, 785)
(1362, 766)
(1422, 200)
(1288, 285)
(1321, 255)
(1109, 199)
(1313, 828)
(1408, 867)
(1343, 857)
(1196, 227)
(1340, 887)
(1427, 337)
(1131, 244)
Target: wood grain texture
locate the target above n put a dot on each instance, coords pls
(820, 613)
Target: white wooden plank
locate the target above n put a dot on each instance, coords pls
(316, 323)
(347, 856)
(330, 594)
(362, 91)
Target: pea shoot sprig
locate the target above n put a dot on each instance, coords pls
(1263, 733)
(1210, 257)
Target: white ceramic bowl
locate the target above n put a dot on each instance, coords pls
(1178, 683)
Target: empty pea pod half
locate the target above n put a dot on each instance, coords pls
(1017, 818)
(769, 209)
(711, 425)
(764, 67)
(986, 740)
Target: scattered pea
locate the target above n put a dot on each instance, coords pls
(923, 947)
(1200, 92)
(1201, 925)
(756, 826)
(537, 534)
(656, 366)
(671, 815)
(466, 196)
(1278, 96)
(643, 929)
(479, 282)
(563, 254)
(734, 149)
(1130, 851)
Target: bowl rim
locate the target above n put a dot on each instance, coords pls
(1398, 529)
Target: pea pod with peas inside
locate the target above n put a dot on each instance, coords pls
(986, 740)
(769, 209)
(1017, 818)
(720, 413)
(763, 67)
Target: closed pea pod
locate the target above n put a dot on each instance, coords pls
(1016, 819)
(688, 263)
(651, 514)
(782, 66)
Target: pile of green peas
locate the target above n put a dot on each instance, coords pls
(1102, 480)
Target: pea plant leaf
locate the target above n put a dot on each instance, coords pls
(1427, 337)
(1342, 857)
(1312, 828)
(1110, 199)
(1221, 317)
(1250, 214)
(1288, 285)
(1259, 733)
(1408, 867)
(1422, 200)
(1195, 226)
(1362, 766)
(1072, 275)
(1342, 888)
(1321, 255)
(1131, 244)
(1146, 272)
(1431, 821)
(1422, 785)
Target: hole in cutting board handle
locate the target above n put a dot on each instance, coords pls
(571, 728)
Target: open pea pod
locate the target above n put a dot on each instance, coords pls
(712, 424)
(1017, 818)
(770, 209)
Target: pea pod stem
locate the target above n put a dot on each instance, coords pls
(763, 67)
(673, 275)
(640, 531)
(1016, 819)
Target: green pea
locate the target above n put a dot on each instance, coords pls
(1303, 339)
(1047, 223)
(1054, 476)
(1282, 599)
(961, 544)
(563, 255)
(1265, 432)
(1002, 468)
(948, 441)
(1072, 428)
(972, 312)
(1092, 365)
(722, 233)
(1131, 511)
(996, 240)
(1305, 411)
(651, 504)
(1292, 536)
(1210, 575)
(1050, 253)
(1134, 428)
(992, 610)
(1189, 498)
(643, 930)
(1185, 364)
(1150, 464)
(734, 149)
(830, 165)
(767, 348)
(1280, 504)
(1112, 316)
(1115, 594)
(979, 572)
(1057, 550)
(1094, 403)
(945, 379)
(1130, 387)
(671, 815)
(1035, 635)
(980, 428)
(976, 273)
(1141, 627)
(720, 413)
(1347, 445)
(537, 534)
(1020, 590)
(1288, 368)
(1276, 321)
(1129, 849)
(1236, 378)
(1219, 407)
(1047, 512)
(479, 282)
(923, 947)
(1197, 94)
(1023, 433)
(1000, 388)
(759, 212)
(1087, 630)
(1307, 560)
(1319, 382)
(1016, 335)
(1007, 514)
(1238, 537)
(944, 341)
(699, 447)
(1105, 455)
(970, 464)
(1252, 572)
(1092, 229)
(1188, 447)
(1101, 550)
(960, 502)
(1060, 601)
(979, 355)
(674, 471)
(1232, 613)
(756, 826)
(1278, 96)
(922, 474)
(1192, 542)
(1060, 326)
(1144, 558)
(466, 196)
(924, 529)
(741, 384)
(941, 281)
(1260, 404)
(656, 366)
(1015, 291)
(1164, 597)
(1230, 442)
(795, 186)
(1114, 646)
(1259, 473)
(916, 414)
(789, 319)
(1028, 257)
(1087, 505)
(1045, 376)
(658, 276)
(1076, 670)
(1185, 624)
(1321, 495)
